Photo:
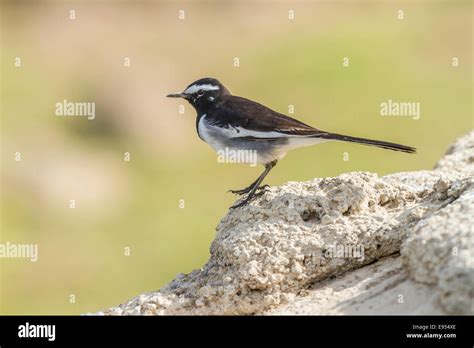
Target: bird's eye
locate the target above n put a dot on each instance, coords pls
(200, 93)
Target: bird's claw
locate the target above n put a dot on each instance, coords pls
(262, 190)
(247, 190)
(238, 192)
(244, 202)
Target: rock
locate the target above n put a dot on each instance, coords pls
(380, 288)
(439, 251)
(353, 244)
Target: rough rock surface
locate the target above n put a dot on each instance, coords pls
(355, 244)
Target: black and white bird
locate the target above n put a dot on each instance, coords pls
(226, 121)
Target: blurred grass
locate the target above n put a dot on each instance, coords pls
(136, 204)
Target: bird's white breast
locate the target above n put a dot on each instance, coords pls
(211, 134)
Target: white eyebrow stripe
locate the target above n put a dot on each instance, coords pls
(194, 88)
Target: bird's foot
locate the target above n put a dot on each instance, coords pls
(247, 190)
(250, 198)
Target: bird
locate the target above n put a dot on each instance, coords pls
(229, 122)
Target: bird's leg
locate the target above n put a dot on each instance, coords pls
(255, 185)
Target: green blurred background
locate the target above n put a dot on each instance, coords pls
(136, 204)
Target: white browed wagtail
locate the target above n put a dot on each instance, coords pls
(226, 121)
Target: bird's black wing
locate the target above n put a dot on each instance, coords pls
(240, 112)
(252, 117)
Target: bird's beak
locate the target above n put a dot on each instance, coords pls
(177, 95)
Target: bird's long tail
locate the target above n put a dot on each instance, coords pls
(378, 143)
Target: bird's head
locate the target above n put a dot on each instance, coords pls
(203, 92)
